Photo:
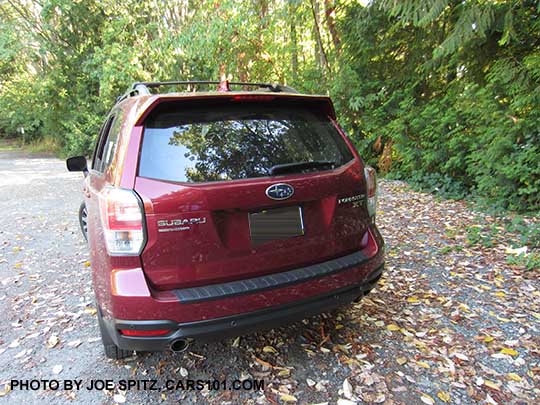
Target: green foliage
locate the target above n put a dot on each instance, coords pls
(452, 90)
(443, 93)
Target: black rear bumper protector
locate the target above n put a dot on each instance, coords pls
(240, 324)
(276, 280)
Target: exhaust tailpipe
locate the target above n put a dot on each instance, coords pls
(179, 345)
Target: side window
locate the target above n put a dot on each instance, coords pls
(98, 152)
(107, 148)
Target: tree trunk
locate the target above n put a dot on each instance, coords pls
(294, 42)
(319, 49)
(329, 8)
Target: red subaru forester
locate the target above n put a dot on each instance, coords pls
(215, 213)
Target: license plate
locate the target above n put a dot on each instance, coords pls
(275, 224)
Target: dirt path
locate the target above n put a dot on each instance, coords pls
(450, 322)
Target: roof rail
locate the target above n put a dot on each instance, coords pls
(143, 88)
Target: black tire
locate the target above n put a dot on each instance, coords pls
(111, 350)
(83, 220)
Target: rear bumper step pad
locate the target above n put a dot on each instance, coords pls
(236, 325)
(276, 280)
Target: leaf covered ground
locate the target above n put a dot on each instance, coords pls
(456, 318)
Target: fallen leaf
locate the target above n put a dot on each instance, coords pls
(287, 398)
(347, 389)
(269, 349)
(509, 351)
(516, 251)
(426, 399)
(401, 360)
(264, 363)
(91, 311)
(492, 385)
(514, 377)
(53, 341)
(5, 390)
(443, 396)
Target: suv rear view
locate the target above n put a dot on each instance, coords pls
(212, 214)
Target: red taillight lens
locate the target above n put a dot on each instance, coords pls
(155, 332)
(122, 219)
(371, 188)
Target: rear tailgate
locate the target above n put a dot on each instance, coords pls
(204, 178)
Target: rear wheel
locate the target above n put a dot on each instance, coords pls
(83, 220)
(111, 350)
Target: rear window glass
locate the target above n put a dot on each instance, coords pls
(237, 141)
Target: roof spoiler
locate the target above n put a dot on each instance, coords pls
(143, 88)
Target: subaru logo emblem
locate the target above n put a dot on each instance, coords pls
(280, 191)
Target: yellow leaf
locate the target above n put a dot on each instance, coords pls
(509, 351)
(287, 398)
(6, 390)
(401, 360)
(514, 376)
(443, 396)
(412, 300)
(393, 327)
(339, 326)
(18, 265)
(87, 263)
(284, 373)
(269, 349)
(488, 339)
(491, 384)
(423, 364)
(91, 311)
(500, 294)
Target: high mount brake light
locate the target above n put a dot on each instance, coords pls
(371, 186)
(249, 97)
(122, 219)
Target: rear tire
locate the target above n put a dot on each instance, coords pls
(83, 220)
(111, 350)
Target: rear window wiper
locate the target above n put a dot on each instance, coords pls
(301, 166)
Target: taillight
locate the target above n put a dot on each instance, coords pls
(371, 186)
(122, 219)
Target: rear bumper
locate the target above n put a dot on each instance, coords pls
(240, 324)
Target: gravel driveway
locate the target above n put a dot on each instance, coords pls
(450, 322)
